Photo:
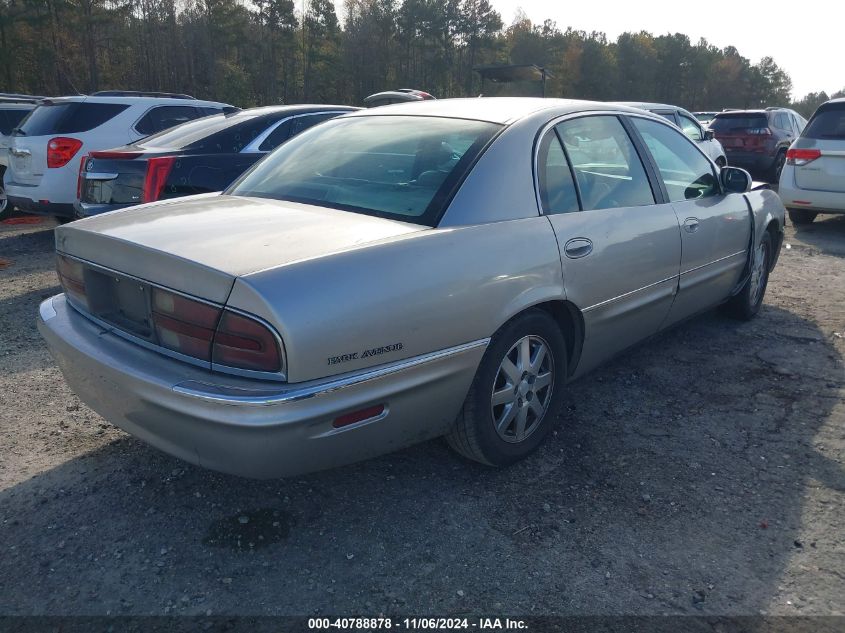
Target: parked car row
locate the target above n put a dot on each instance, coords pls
(76, 156)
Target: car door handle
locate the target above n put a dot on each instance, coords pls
(691, 225)
(578, 247)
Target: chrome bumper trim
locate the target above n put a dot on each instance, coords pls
(266, 397)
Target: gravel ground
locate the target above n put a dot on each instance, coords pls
(699, 473)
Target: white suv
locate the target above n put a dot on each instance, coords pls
(13, 108)
(48, 145)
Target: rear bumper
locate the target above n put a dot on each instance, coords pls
(86, 210)
(29, 198)
(250, 428)
(793, 197)
(752, 161)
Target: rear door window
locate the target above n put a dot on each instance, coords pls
(554, 178)
(827, 123)
(606, 164)
(69, 117)
(782, 122)
(164, 117)
(277, 136)
(685, 171)
(690, 127)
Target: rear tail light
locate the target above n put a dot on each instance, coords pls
(799, 157)
(184, 325)
(214, 334)
(194, 328)
(245, 343)
(759, 131)
(72, 279)
(61, 150)
(158, 169)
(79, 176)
(114, 154)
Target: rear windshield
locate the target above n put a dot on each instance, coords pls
(738, 122)
(399, 167)
(68, 118)
(219, 132)
(827, 122)
(10, 118)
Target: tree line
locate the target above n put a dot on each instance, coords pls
(259, 52)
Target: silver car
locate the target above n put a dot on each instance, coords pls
(813, 179)
(437, 268)
(690, 125)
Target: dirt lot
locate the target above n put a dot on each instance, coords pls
(700, 473)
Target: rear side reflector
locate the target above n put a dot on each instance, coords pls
(61, 150)
(245, 343)
(158, 169)
(358, 416)
(799, 157)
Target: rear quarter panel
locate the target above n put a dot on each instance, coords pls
(403, 297)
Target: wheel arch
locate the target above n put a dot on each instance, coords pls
(569, 319)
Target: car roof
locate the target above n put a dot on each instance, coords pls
(502, 110)
(132, 100)
(644, 105)
(296, 109)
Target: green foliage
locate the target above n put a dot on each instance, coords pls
(251, 52)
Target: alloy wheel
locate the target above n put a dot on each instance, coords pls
(522, 389)
(758, 273)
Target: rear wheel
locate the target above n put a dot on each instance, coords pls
(516, 394)
(5, 207)
(746, 304)
(800, 216)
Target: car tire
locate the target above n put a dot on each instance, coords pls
(746, 303)
(505, 391)
(777, 167)
(5, 208)
(800, 216)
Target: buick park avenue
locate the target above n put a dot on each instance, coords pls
(397, 274)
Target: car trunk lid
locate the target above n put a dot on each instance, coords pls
(27, 159)
(115, 176)
(200, 244)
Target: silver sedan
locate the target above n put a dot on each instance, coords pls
(438, 268)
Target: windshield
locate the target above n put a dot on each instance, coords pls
(191, 133)
(827, 122)
(399, 167)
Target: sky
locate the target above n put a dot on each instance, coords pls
(755, 29)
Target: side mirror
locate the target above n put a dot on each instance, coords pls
(709, 135)
(735, 180)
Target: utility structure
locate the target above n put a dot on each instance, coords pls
(499, 74)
